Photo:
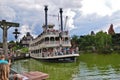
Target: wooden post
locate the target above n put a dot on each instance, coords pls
(5, 26)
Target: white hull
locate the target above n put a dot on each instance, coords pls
(55, 57)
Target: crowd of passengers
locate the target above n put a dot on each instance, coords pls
(59, 51)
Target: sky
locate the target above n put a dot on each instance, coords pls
(84, 16)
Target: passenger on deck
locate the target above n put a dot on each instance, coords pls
(55, 51)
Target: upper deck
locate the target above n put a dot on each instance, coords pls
(50, 38)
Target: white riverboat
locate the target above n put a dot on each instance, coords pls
(53, 44)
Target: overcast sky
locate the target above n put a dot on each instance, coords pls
(84, 16)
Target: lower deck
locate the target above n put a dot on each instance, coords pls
(54, 57)
(68, 57)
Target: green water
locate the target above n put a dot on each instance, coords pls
(87, 67)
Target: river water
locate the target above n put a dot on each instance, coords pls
(87, 67)
(97, 73)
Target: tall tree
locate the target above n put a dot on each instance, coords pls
(103, 41)
(86, 42)
(74, 41)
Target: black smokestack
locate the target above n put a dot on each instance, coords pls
(46, 9)
(61, 19)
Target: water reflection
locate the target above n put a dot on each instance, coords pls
(19, 67)
(97, 73)
(56, 71)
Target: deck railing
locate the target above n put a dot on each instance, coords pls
(56, 53)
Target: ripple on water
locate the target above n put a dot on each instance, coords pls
(96, 73)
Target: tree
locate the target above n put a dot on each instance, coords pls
(24, 50)
(1, 45)
(103, 41)
(116, 42)
(74, 41)
(11, 41)
(86, 42)
(100, 42)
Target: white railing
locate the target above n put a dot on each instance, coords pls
(55, 54)
(49, 44)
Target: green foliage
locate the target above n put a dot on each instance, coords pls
(103, 41)
(116, 42)
(17, 47)
(1, 45)
(12, 41)
(75, 41)
(86, 42)
(24, 50)
(100, 42)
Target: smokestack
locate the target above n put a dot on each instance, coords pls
(61, 19)
(46, 8)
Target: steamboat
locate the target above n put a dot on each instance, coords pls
(52, 44)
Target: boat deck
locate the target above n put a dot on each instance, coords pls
(57, 57)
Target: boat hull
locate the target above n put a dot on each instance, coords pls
(60, 58)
